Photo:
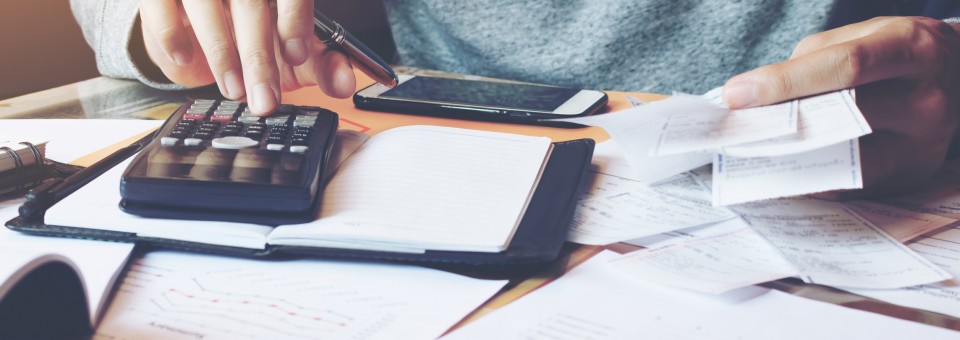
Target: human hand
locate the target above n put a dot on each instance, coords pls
(905, 70)
(195, 42)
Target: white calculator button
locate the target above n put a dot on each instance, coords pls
(234, 143)
(298, 148)
(168, 141)
(192, 141)
(274, 147)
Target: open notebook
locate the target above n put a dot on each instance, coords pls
(409, 193)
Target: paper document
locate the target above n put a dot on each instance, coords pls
(170, 295)
(709, 130)
(711, 265)
(825, 120)
(636, 130)
(831, 245)
(738, 180)
(69, 139)
(98, 262)
(689, 234)
(944, 297)
(644, 211)
(595, 301)
(902, 224)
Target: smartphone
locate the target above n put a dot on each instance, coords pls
(479, 99)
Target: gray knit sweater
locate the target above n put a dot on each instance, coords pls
(635, 45)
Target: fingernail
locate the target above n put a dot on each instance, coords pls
(296, 50)
(740, 94)
(263, 99)
(181, 58)
(233, 84)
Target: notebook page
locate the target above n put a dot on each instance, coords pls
(424, 187)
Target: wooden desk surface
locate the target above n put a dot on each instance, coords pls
(52, 104)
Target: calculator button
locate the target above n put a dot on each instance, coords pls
(195, 115)
(286, 109)
(304, 123)
(222, 118)
(168, 141)
(309, 113)
(198, 110)
(192, 141)
(274, 147)
(204, 136)
(249, 120)
(234, 143)
(280, 120)
(298, 149)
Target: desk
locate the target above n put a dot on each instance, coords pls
(109, 98)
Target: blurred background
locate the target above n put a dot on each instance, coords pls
(42, 45)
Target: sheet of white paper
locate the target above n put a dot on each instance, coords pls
(941, 196)
(595, 301)
(738, 180)
(698, 131)
(70, 139)
(830, 244)
(99, 262)
(689, 234)
(170, 295)
(825, 120)
(644, 211)
(634, 101)
(711, 265)
(902, 224)
(942, 249)
(95, 206)
(424, 187)
(636, 130)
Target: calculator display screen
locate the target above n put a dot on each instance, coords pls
(222, 165)
(482, 93)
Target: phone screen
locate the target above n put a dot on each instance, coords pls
(482, 93)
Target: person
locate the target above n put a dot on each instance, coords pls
(904, 69)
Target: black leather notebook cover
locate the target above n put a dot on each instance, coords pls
(538, 239)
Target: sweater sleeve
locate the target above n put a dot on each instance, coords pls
(109, 27)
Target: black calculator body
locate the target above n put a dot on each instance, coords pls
(215, 160)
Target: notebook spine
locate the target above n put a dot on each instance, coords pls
(23, 175)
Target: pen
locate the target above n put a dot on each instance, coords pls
(44, 196)
(332, 34)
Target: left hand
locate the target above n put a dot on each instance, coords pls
(907, 74)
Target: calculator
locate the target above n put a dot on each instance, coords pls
(215, 160)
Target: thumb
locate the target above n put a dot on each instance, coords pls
(841, 66)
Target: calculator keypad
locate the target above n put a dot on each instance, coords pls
(230, 125)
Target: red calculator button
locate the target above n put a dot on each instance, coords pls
(194, 115)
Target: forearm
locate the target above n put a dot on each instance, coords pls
(111, 28)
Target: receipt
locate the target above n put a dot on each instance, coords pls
(825, 120)
(711, 265)
(738, 180)
(644, 211)
(904, 225)
(636, 130)
(831, 245)
(709, 130)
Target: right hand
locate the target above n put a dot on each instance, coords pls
(195, 42)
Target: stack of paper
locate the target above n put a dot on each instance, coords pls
(794, 148)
